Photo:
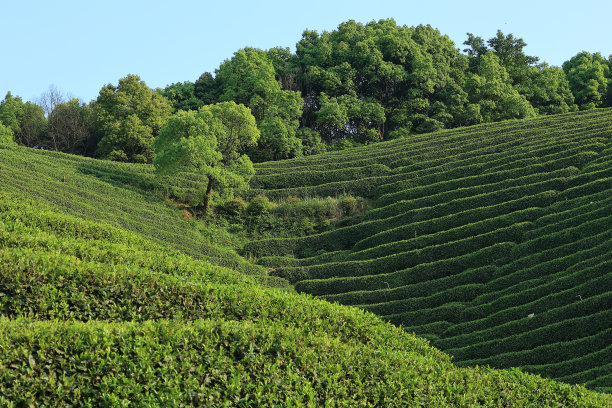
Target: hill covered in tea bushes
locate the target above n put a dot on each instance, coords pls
(112, 294)
(494, 241)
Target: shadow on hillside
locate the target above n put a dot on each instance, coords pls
(124, 179)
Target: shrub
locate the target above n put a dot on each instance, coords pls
(233, 208)
(348, 205)
(259, 205)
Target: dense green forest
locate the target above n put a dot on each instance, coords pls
(356, 85)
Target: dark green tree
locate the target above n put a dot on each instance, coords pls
(6, 135)
(588, 76)
(26, 120)
(207, 89)
(181, 96)
(127, 118)
(491, 92)
(249, 78)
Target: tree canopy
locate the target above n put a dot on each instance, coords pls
(26, 120)
(210, 141)
(249, 78)
(355, 85)
(127, 118)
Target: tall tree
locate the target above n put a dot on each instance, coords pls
(249, 78)
(70, 128)
(49, 99)
(6, 135)
(509, 50)
(181, 96)
(491, 91)
(548, 91)
(26, 120)
(209, 141)
(588, 76)
(128, 117)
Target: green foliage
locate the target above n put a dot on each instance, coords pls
(26, 120)
(259, 205)
(71, 128)
(472, 231)
(233, 208)
(209, 142)
(128, 117)
(123, 302)
(249, 79)
(491, 89)
(181, 96)
(588, 77)
(6, 135)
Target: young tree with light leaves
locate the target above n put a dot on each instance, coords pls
(211, 142)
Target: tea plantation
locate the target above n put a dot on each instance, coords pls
(492, 241)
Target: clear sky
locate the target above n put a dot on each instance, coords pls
(80, 45)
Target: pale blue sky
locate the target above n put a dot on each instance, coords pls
(79, 46)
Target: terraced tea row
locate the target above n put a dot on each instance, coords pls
(493, 241)
(92, 314)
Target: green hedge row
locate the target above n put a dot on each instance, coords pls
(445, 235)
(415, 290)
(312, 178)
(553, 332)
(547, 354)
(544, 314)
(582, 377)
(564, 234)
(495, 192)
(551, 261)
(361, 187)
(456, 220)
(546, 153)
(574, 217)
(511, 177)
(449, 312)
(280, 261)
(403, 260)
(419, 273)
(545, 296)
(464, 293)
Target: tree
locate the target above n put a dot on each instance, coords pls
(6, 135)
(588, 79)
(509, 50)
(491, 90)
(207, 89)
(249, 78)
(407, 78)
(547, 89)
(12, 112)
(49, 99)
(70, 128)
(26, 120)
(128, 117)
(181, 96)
(209, 141)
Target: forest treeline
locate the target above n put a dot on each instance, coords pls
(358, 84)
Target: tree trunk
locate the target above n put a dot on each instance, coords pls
(208, 193)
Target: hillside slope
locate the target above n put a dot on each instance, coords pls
(104, 303)
(493, 241)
